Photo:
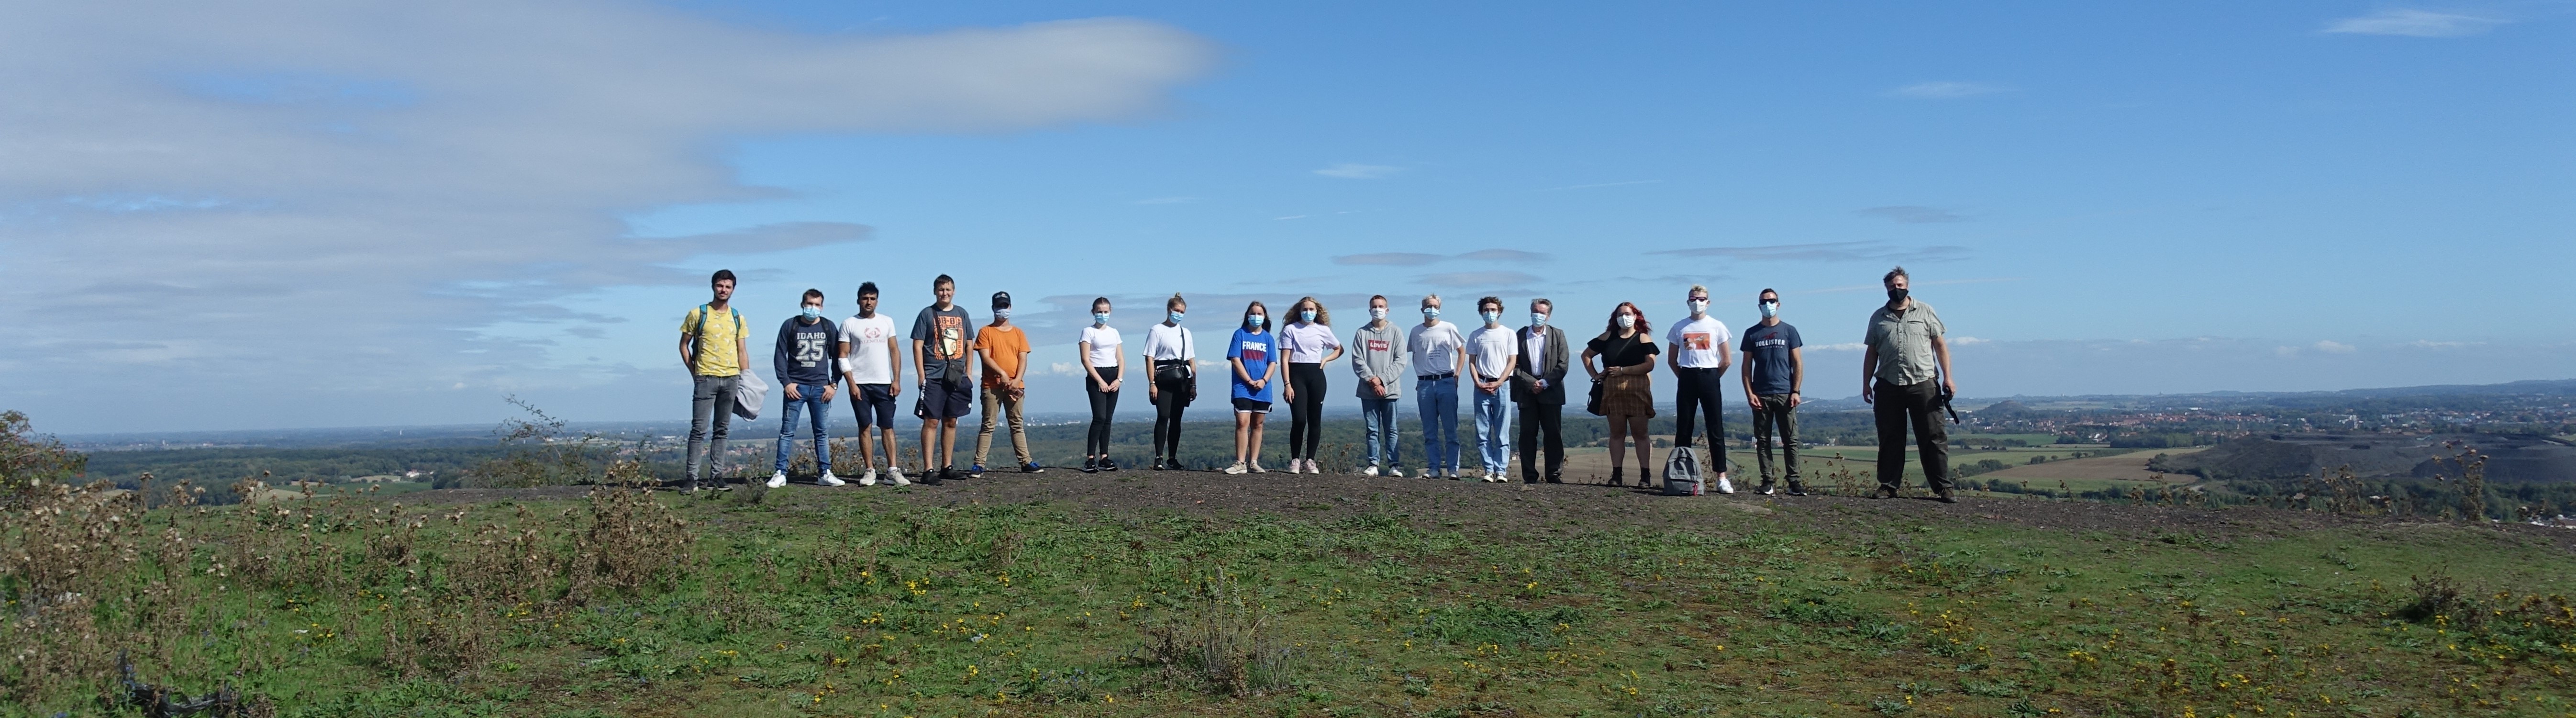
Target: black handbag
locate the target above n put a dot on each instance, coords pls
(1594, 406)
(1180, 370)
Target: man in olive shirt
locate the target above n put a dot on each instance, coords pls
(1904, 376)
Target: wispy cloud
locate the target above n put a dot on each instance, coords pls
(1415, 259)
(1825, 252)
(2410, 22)
(1400, 259)
(1946, 90)
(1354, 170)
(1478, 280)
(1916, 283)
(2330, 346)
(1603, 184)
(1842, 347)
(1168, 200)
(1911, 214)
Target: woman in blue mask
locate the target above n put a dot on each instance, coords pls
(1253, 352)
(1309, 341)
(1169, 350)
(1102, 379)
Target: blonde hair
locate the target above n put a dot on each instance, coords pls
(1322, 316)
(1697, 289)
(1427, 299)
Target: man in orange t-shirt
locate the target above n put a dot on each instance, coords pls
(1005, 353)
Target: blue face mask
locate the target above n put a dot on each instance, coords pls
(1538, 319)
(1176, 317)
(1001, 314)
(1102, 317)
(1254, 320)
(811, 312)
(1306, 316)
(1431, 312)
(1770, 309)
(1490, 317)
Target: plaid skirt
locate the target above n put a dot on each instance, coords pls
(1628, 395)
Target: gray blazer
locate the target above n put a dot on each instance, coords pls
(1549, 365)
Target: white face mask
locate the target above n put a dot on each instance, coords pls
(1377, 312)
(1627, 321)
(1698, 306)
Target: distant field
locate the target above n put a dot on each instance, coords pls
(2124, 467)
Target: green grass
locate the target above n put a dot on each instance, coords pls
(864, 603)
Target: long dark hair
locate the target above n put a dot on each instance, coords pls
(1247, 316)
(1642, 327)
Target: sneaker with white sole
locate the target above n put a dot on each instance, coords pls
(1370, 471)
(1724, 486)
(1237, 468)
(829, 480)
(1395, 472)
(869, 478)
(778, 479)
(1256, 468)
(895, 475)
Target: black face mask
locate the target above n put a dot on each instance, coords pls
(1896, 296)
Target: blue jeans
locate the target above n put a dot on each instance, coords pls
(1379, 416)
(1493, 427)
(821, 410)
(1438, 400)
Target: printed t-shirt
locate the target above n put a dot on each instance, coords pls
(1005, 350)
(1698, 343)
(1256, 351)
(868, 362)
(1768, 348)
(945, 336)
(715, 353)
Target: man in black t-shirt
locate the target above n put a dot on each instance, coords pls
(941, 336)
(1773, 372)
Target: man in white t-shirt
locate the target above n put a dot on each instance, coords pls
(1698, 357)
(1439, 353)
(1491, 352)
(872, 360)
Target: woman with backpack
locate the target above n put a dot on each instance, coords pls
(1624, 388)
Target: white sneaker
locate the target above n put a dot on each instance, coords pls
(869, 478)
(1313, 468)
(1453, 473)
(1370, 471)
(895, 474)
(778, 479)
(1395, 472)
(1724, 486)
(830, 480)
(1237, 468)
(1256, 468)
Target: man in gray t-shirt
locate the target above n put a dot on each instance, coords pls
(941, 336)
(1905, 376)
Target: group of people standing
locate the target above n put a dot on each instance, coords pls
(1905, 375)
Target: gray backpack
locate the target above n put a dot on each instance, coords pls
(1682, 473)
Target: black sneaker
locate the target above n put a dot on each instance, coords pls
(1796, 490)
(1108, 464)
(935, 478)
(1555, 478)
(1158, 464)
(1616, 477)
(1090, 465)
(1032, 468)
(1947, 499)
(1766, 489)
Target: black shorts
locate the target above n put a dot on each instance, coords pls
(945, 399)
(874, 405)
(1248, 405)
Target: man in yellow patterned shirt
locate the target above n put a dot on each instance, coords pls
(711, 348)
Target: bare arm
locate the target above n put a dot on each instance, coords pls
(1797, 376)
(687, 359)
(1588, 353)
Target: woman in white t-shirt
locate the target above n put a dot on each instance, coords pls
(1099, 350)
(1309, 343)
(1172, 357)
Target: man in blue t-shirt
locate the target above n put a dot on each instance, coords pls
(1773, 372)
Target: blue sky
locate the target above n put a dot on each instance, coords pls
(2150, 197)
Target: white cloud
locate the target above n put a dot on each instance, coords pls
(1968, 341)
(2330, 346)
(2413, 23)
(1168, 200)
(307, 186)
(1945, 90)
(1352, 170)
(1843, 347)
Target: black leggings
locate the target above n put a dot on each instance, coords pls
(1104, 406)
(1306, 414)
(1168, 404)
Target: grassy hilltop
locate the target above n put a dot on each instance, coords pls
(1140, 594)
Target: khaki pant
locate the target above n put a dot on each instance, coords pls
(996, 403)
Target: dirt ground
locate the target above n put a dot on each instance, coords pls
(2124, 467)
(1530, 511)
